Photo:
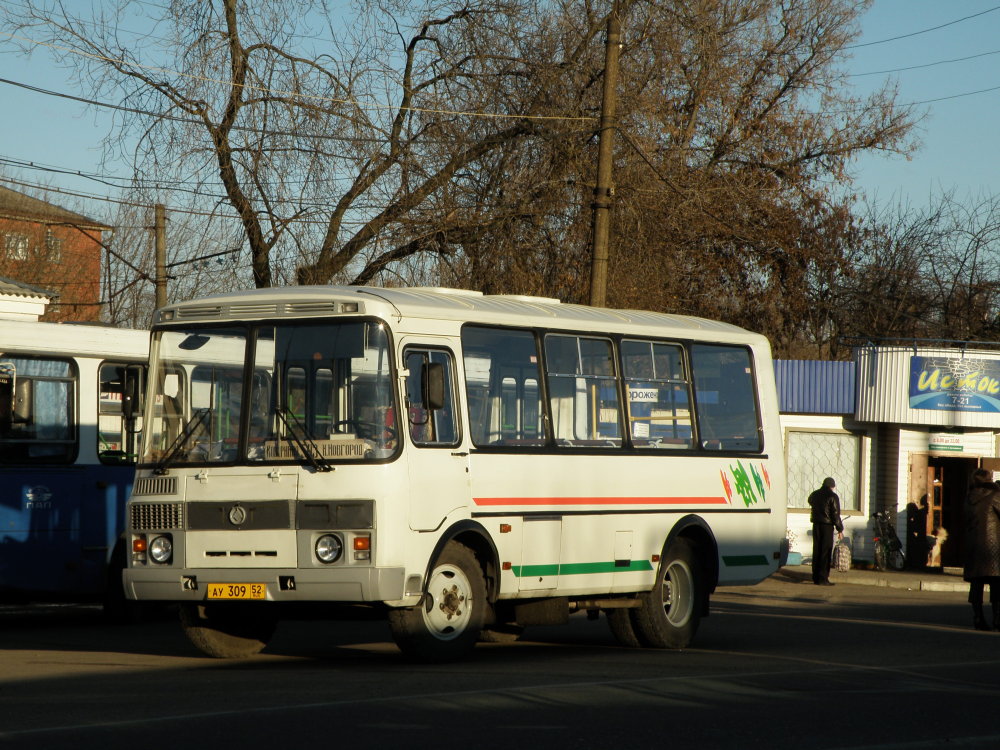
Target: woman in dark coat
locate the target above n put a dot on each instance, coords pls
(982, 545)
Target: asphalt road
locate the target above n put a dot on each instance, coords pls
(782, 664)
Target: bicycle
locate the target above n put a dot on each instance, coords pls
(888, 547)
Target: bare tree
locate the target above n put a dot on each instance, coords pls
(931, 273)
(203, 256)
(455, 141)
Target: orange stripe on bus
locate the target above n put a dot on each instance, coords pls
(600, 501)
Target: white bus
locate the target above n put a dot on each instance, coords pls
(69, 433)
(473, 464)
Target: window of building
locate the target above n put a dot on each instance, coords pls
(16, 245)
(53, 247)
(813, 456)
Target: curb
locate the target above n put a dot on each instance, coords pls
(937, 582)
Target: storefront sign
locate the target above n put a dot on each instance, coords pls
(954, 384)
(946, 441)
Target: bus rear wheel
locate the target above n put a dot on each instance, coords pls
(668, 616)
(447, 623)
(229, 631)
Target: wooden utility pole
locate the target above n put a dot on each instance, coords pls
(160, 246)
(603, 189)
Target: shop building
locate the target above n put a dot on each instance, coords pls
(901, 429)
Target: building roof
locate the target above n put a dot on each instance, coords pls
(808, 386)
(15, 205)
(20, 289)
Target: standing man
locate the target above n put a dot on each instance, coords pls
(825, 518)
(982, 545)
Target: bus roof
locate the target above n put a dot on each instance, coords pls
(439, 304)
(72, 339)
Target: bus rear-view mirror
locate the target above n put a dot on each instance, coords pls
(433, 380)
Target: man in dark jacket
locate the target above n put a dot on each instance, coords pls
(825, 518)
(982, 546)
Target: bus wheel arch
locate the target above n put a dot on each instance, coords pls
(699, 534)
(474, 536)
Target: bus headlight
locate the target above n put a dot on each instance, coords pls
(329, 548)
(161, 549)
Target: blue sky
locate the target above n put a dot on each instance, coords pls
(959, 134)
(959, 149)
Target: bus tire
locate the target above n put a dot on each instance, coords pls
(448, 622)
(668, 616)
(622, 627)
(230, 631)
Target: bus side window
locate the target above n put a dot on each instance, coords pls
(583, 392)
(726, 400)
(658, 393)
(501, 387)
(118, 412)
(430, 397)
(41, 427)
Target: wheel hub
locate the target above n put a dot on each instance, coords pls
(451, 602)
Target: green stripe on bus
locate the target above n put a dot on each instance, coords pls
(738, 561)
(573, 569)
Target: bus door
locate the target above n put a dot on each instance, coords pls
(438, 464)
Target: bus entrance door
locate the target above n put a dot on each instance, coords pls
(438, 463)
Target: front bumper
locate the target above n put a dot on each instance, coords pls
(367, 584)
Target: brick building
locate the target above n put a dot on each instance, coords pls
(54, 249)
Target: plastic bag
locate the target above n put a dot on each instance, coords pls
(842, 556)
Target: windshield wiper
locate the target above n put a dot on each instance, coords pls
(307, 447)
(196, 421)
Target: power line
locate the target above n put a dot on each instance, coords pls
(923, 31)
(925, 65)
(295, 94)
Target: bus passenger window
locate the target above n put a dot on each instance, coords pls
(659, 403)
(501, 386)
(583, 392)
(430, 426)
(725, 398)
(41, 428)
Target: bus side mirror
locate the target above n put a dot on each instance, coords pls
(433, 385)
(21, 412)
(131, 392)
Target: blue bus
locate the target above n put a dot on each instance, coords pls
(69, 431)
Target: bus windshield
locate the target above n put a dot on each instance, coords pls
(271, 393)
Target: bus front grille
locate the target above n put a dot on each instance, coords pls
(149, 516)
(155, 486)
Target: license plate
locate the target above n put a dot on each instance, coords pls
(237, 591)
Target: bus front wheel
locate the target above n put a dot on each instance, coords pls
(668, 615)
(448, 621)
(228, 631)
